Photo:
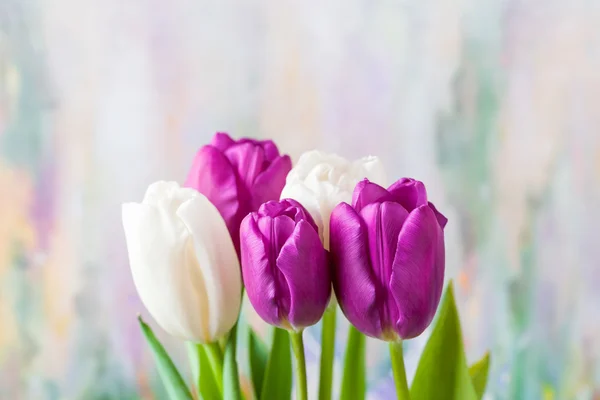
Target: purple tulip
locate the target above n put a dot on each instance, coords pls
(388, 259)
(284, 265)
(238, 176)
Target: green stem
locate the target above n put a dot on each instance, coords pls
(215, 355)
(396, 354)
(298, 348)
(327, 353)
(354, 385)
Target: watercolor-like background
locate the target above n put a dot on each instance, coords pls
(495, 104)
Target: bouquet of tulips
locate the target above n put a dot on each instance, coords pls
(298, 242)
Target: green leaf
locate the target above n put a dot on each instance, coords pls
(479, 374)
(442, 372)
(204, 377)
(258, 355)
(174, 383)
(231, 379)
(354, 380)
(277, 383)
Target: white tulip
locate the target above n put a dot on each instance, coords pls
(320, 181)
(183, 262)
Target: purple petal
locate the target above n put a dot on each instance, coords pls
(384, 222)
(276, 232)
(353, 279)
(288, 207)
(367, 192)
(271, 151)
(418, 272)
(258, 272)
(269, 184)
(409, 192)
(247, 159)
(299, 213)
(212, 175)
(222, 141)
(303, 262)
(439, 216)
(272, 208)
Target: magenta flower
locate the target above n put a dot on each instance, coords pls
(388, 259)
(284, 265)
(238, 176)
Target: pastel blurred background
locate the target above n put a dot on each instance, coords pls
(495, 105)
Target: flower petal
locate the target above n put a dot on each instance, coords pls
(213, 176)
(439, 216)
(418, 272)
(409, 192)
(271, 151)
(298, 191)
(269, 183)
(275, 231)
(222, 141)
(303, 262)
(367, 192)
(384, 222)
(370, 167)
(217, 263)
(161, 255)
(247, 158)
(353, 279)
(258, 272)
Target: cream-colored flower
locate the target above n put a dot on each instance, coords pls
(183, 262)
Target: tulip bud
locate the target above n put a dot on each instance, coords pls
(284, 265)
(388, 259)
(183, 262)
(238, 176)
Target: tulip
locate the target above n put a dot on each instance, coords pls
(284, 265)
(388, 259)
(321, 181)
(238, 176)
(183, 262)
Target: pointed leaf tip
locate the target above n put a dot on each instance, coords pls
(479, 374)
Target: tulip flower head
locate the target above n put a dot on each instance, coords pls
(284, 265)
(183, 262)
(388, 259)
(321, 181)
(238, 176)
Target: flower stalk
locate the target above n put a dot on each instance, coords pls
(215, 356)
(298, 349)
(327, 353)
(397, 356)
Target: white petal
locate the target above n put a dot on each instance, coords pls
(371, 168)
(168, 195)
(311, 159)
(158, 246)
(217, 263)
